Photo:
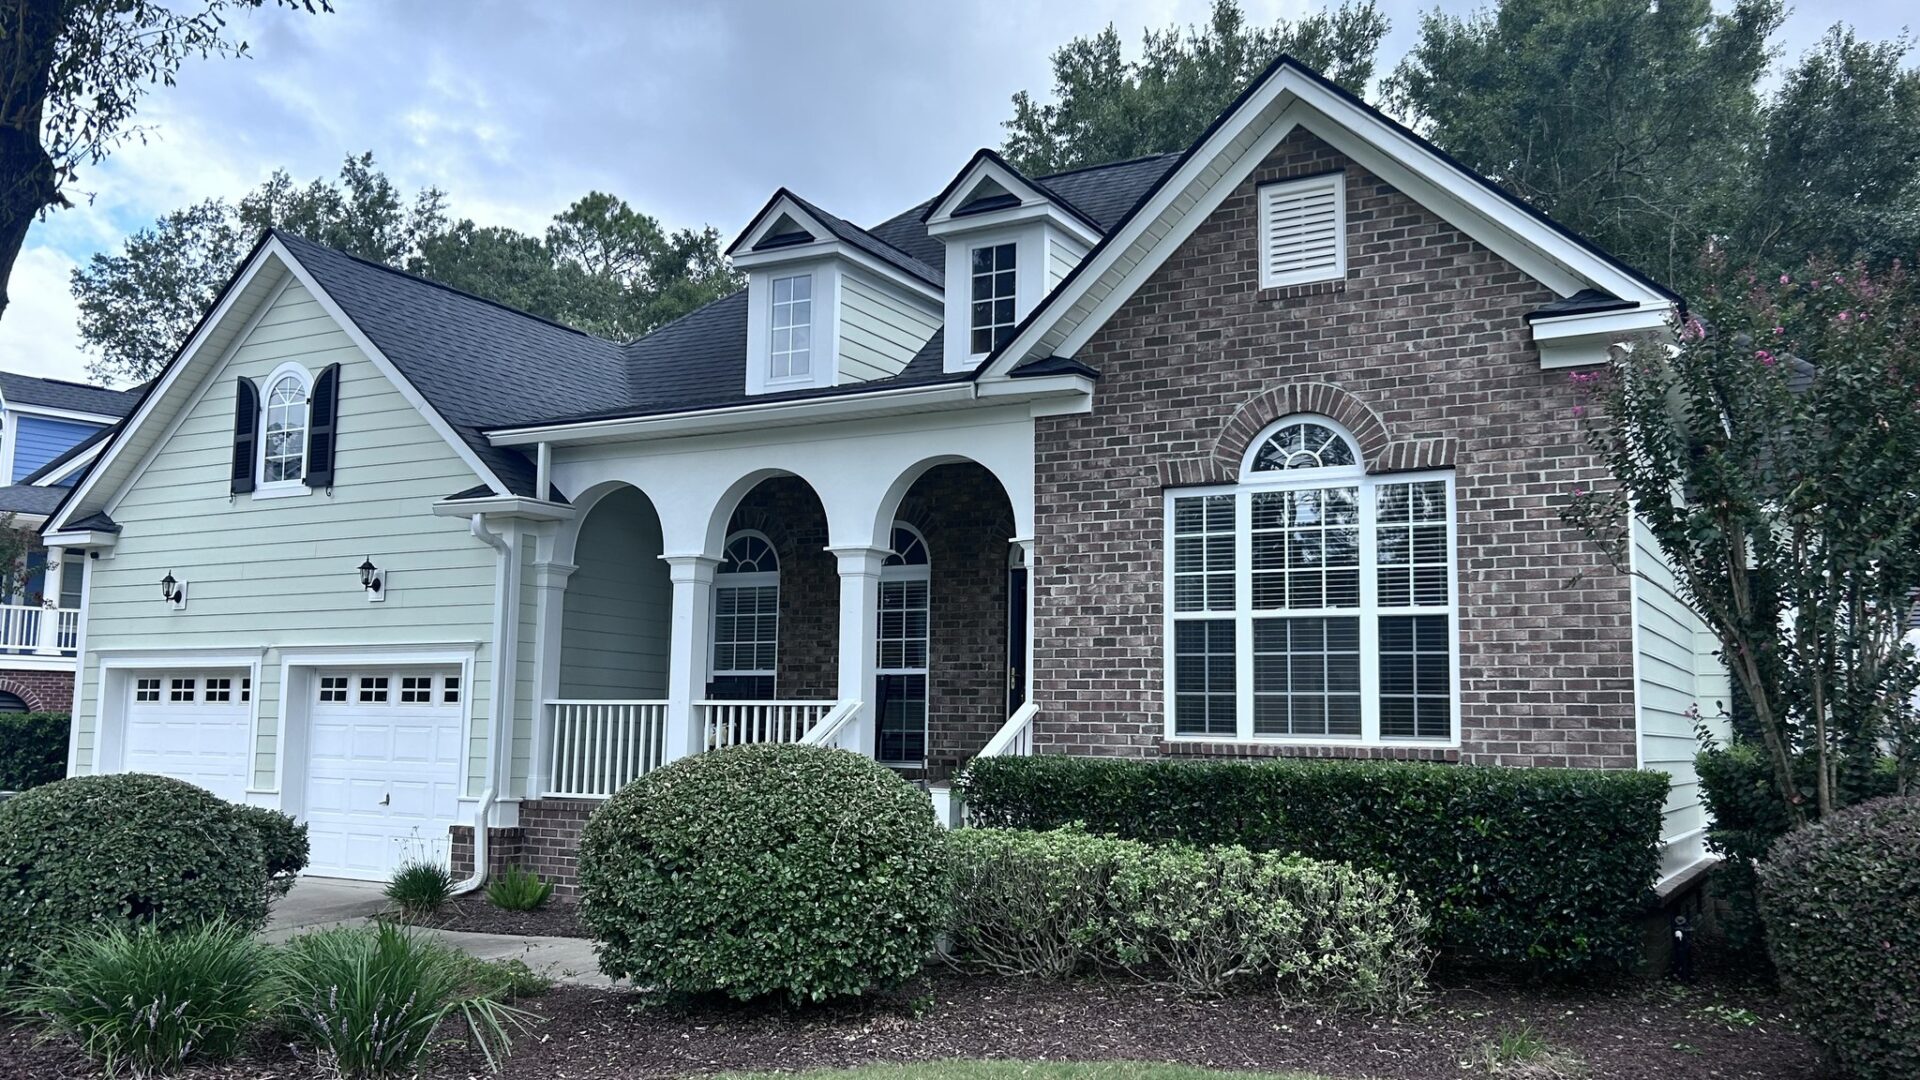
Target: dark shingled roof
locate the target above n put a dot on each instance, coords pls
(1584, 302)
(933, 273)
(30, 499)
(72, 396)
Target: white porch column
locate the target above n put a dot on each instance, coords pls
(859, 642)
(549, 600)
(690, 651)
(47, 638)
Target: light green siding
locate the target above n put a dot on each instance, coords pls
(614, 633)
(1062, 256)
(279, 573)
(880, 329)
(1674, 677)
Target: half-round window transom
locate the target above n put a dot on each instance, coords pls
(908, 548)
(749, 553)
(1303, 445)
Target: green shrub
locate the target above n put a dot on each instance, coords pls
(518, 889)
(33, 749)
(128, 849)
(420, 888)
(507, 980)
(1208, 920)
(1746, 818)
(1841, 900)
(1542, 868)
(368, 1001)
(283, 843)
(761, 870)
(152, 1001)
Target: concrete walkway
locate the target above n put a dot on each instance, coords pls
(319, 903)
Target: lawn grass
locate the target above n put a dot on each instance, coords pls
(1021, 1070)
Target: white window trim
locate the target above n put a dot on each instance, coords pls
(281, 489)
(1263, 196)
(969, 327)
(888, 575)
(1368, 612)
(756, 580)
(796, 378)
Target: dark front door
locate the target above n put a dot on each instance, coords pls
(1016, 638)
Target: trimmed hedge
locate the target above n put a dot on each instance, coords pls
(1542, 868)
(1209, 921)
(33, 749)
(764, 870)
(127, 849)
(1841, 900)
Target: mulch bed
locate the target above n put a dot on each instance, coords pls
(558, 917)
(1628, 1033)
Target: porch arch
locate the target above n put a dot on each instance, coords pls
(616, 626)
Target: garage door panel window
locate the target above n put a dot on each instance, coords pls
(373, 689)
(146, 689)
(450, 690)
(180, 690)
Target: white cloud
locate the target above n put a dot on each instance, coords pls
(38, 334)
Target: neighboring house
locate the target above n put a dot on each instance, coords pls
(1257, 449)
(50, 431)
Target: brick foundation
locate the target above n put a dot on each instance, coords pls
(1424, 352)
(545, 842)
(43, 691)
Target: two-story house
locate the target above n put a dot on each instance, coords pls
(1254, 449)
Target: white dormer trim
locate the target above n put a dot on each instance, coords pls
(1034, 204)
(823, 330)
(824, 245)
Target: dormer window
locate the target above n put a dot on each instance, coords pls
(791, 329)
(993, 290)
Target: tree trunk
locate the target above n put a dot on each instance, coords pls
(29, 182)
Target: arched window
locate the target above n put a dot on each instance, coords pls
(904, 639)
(746, 619)
(1310, 600)
(283, 428)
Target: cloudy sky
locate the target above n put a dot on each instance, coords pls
(693, 113)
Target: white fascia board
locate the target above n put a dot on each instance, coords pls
(27, 521)
(1536, 247)
(784, 206)
(1037, 386)
(102, 419)
(1581, 340)
(505, 506)
(84, 538)
(171, 378)
(1033, 203)
(831, 248)
(1015, 215)
(74, 464)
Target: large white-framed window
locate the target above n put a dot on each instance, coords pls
(901, 657)
(990, 312)
(746, 618)
(284, 422)
(1310, 601)
(790, 329)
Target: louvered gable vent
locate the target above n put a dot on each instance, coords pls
(1303, 230)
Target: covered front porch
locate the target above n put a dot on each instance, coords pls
(910, 648)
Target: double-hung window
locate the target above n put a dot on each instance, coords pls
(790, 330)
(991, 312)
(1311, 601)
(746, 619)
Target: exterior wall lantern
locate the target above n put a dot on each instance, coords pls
(173, 592)
(374, 580)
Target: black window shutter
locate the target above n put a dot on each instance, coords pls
(246, 434)
(323, 416)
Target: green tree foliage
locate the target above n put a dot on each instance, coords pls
(1838, 169)
(1786, 413)
(1625, 119)
(603, 266)
(1108, 108)
(74, 74)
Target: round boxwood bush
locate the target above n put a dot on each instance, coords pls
(1841, 901)
(123, 849)
(764, 870)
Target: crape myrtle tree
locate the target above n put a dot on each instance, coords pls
(1771, 448)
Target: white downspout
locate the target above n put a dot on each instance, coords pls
(504, 629)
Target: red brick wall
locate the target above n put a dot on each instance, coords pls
(1423, 350)
(43, 691)
(787, 511)
(546, 842)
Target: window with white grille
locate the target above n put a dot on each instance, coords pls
(1303, 231)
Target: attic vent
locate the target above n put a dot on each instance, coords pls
(1303, 231)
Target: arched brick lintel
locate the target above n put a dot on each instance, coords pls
(1323, 399)
(25, 693)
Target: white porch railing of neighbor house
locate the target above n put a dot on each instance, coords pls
(595, 748)
(30, 628)
(1015, 737)
(732, 723)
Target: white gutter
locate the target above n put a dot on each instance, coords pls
(479, 876)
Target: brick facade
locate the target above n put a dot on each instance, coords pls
(43, 691)
(545, 842)
(1423, 352)
(787, 511)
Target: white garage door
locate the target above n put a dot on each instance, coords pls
(384, 768)
(193, 726)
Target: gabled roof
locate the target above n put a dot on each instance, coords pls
(987, 165)
(844, 231)
(67, 396)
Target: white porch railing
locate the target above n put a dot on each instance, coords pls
(1015, 737)
(732, 723)
(30, 628)
(827, 731)
(595, 748)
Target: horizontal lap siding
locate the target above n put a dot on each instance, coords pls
(615, 628)
(1674, 679)
(281, 573)
(38, 440)
(880, 331)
